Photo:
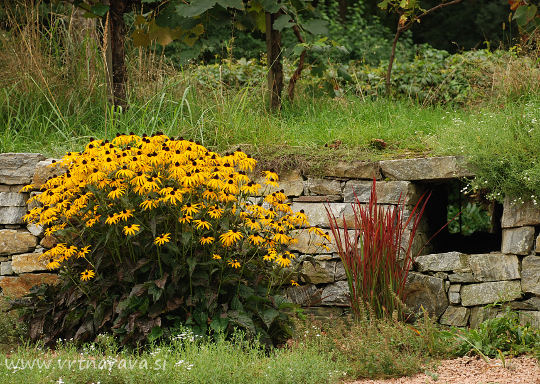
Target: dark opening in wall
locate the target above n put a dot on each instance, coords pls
(477, 229)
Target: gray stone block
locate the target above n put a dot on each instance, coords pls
(18, 168)
(518, 215)
(530, 274)
(441, 262)
(304, 295)
(323, 187)
(336, 294)
(455, 316)
(12, 215)
(12, 199)
(388, 192)
(431, 168)
(428, 292)
(316, 212)
(491, 292)
(5, 268)
(318, 271)
(354, 170)
(494, 267)
(518, 241)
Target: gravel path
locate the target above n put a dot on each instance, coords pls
(473, 370)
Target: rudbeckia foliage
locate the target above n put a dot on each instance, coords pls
(155, 233)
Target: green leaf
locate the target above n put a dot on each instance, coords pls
(99, 9)
(191, 262)
(524, 14)
(219, 324)
(316, 26)
(195, 8)
(243, 320)
(268, 316)
(237, 4)
(271, 6)
(155, 333)
(384, 4)
(282, 22)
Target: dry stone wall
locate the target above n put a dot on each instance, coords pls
(452, 286)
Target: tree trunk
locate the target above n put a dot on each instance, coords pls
(275, 65)
(117, 32)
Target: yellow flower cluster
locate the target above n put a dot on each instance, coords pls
(132, 179)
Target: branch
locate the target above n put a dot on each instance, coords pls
(298, 71)
(429, 11)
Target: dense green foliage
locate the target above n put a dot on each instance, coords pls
(505, 334)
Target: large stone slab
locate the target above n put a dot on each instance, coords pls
(18, 168)
(28, 262)
(354, 170)
(45, 170)
(518, 241)
(336, 294)
(318, 271)
(530, 275)
(388, 192)
(442, 262)
(304, 295)
(316, 212)
(12, 199)
(12, 241)
(519, 214)
(308, 243)
(481, 314)
(17, 286)
(491, 292)
(462, 277)
(455, 316)
(427, 292)
(12, 215)
(291, 182)
(323, 187)
(430, 168)
(494, 267)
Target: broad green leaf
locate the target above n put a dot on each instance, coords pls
(268, 316)
(219, 324)
(237, 4)
(195, 8)
(192, 263)
(316, 26)
(155, 333)
(524, 14)
(282, 22)
(384, 4)
(271, 6)
(99, 9)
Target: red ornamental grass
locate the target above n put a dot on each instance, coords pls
(375, 259)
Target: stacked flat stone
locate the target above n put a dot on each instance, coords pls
(20, 244)
(452, 286)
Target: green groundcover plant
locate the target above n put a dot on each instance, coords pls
(154, 233)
